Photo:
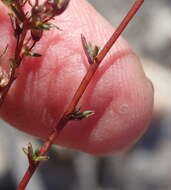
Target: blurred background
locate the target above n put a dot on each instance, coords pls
(147, 166)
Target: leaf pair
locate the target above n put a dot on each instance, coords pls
(90, 50)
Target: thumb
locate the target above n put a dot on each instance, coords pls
(120, 94)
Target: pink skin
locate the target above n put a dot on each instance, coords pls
(120, 94)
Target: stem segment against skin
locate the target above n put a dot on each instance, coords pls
(86, 80)
(13, 70)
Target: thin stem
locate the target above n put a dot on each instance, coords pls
(81, 89)
(22, 15)
(32, 168)
(19, 46)
(120, 29)
(30, 171)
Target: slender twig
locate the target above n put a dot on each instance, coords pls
(86, 80)
(14, 69)
(20, 17)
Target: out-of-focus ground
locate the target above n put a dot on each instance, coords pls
(150, 31)
(147, 166)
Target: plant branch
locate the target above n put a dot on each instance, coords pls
(36, 23)
(14, 68)
(80, 91)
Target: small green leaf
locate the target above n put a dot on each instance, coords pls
(45, 26)
(93, 51)
(86, 113)
(32, 54)
(78, 115)
(90, 50)
(27, 52)
(33, 156)
(36, 153)
(41, 158)
(36, 156)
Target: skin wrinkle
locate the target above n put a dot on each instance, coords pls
(86, 25)
(118, 138)
(64, 100)
(99, 74)
(52, 106)
(54, 71)
(61, 47)
(55, 51)
(3, 13)
(34, 97)
(137, 117)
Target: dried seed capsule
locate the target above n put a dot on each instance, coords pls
(37, 14)
(58, 6)
(36, 34)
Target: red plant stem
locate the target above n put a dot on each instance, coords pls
(120, 29)
(86, 80)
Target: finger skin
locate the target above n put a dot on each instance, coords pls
(120, 94)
